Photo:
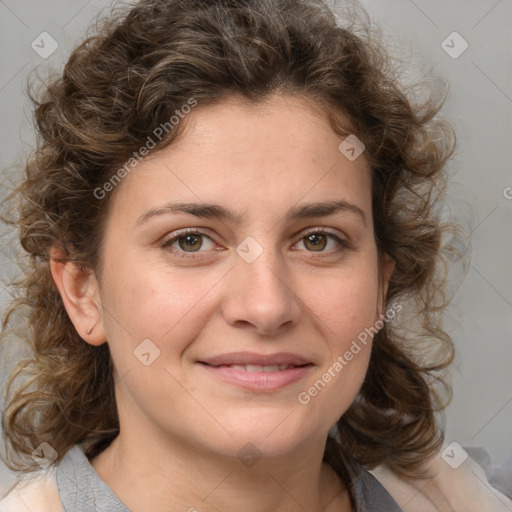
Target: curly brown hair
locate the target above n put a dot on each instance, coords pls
(141, 65)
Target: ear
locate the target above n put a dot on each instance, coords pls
(79, 290)
(387, 265)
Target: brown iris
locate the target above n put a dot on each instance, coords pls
(193, 242)
(317, 241)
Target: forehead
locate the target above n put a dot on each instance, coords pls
(253, 156)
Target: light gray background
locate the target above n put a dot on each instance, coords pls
(480, 106)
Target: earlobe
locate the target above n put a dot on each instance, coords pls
(78, 288)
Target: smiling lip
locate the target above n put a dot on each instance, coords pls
(258, 372)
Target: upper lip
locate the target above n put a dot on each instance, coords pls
(243, 358)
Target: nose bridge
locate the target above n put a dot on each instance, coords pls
(267, 273)
(260, 292)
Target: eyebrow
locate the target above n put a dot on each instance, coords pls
(216, 211)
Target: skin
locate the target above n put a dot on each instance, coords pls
(181, 427)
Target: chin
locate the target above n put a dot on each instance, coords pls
(269, 433)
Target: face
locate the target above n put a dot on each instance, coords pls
(233, 319)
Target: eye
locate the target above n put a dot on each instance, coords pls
(187, 241)
(318, 239)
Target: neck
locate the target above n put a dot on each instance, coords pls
(151, 476)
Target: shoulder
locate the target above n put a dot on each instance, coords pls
(464, 488)
(34, 493)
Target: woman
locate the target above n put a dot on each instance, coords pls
(230, 212)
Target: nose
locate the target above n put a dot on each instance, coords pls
(260, 295)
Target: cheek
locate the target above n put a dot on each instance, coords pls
(345, 309)
(157, 304)
(344, 304)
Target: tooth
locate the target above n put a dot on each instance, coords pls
(283, 367)
(254, 368)
(237, 367)
(271, 368)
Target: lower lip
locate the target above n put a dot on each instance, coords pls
(259, 381)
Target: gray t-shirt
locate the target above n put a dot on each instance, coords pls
(82, 490)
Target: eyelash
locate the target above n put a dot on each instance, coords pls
(183, 254)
